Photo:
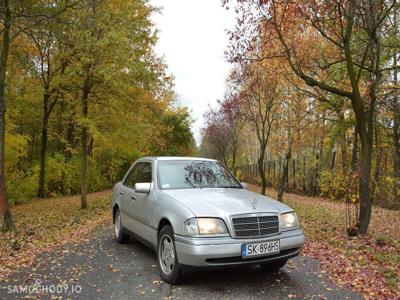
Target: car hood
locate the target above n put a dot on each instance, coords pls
(216, 202)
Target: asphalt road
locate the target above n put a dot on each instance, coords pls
(102, 269)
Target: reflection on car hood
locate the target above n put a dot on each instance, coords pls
(221, 202)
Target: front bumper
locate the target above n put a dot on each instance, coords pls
(226, 251)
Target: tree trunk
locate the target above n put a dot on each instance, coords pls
(304, 176)
(85, 96)
(396, 139)
(396, 108)
(285, 172)
(6, 222)
(364, 185)
(70, 140)
(274, 170)
(90, 147)
(60, 126)
(366, 128)
(343, 145)
(333, 160)
(294, 175)
(366, 135)
(354, 155)
(43, 149)
(261, 169)
(344, 156)
(378, 162)
(234, 168)
(317, 158)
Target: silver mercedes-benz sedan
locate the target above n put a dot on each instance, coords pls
(195, 214)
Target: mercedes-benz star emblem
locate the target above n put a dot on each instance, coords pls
(254, 204)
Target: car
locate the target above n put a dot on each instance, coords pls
(196, 215)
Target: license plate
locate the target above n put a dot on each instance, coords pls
(258, 249)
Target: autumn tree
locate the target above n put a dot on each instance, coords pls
(394, 38)
(6, 222)
(320, 39)
(85, 91)
(176, 133)
(49, 65)
(17, 18)
(221, 135)
(259, 92)
(215, 137)
(230, 108)
(109, 40)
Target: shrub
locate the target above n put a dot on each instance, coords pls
(387, 192)
(63, 178)
(113, 164)
(339, 186)
(21, 185)
(22, 188)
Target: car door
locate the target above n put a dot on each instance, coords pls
(141, 204)
(127, 195)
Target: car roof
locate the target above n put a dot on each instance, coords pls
(178, 158)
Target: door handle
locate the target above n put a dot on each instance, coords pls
(133, 197)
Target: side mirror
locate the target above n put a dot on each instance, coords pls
(143, 187)
(244, 185)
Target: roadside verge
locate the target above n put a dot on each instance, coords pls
(42, 225)
(368, 264)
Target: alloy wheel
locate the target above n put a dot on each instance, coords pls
(166, 254)
(117, 223)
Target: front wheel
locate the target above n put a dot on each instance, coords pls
(119, 231)
(166, 255)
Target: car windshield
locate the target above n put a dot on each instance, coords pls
(175, 174)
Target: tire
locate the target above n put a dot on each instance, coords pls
(274, 266)
(166, 255)
(119, 231)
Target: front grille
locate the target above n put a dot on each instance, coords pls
(255, 226)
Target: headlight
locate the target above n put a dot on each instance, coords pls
(205, 226)
(289, 220)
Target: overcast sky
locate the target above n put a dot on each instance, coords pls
(193, 38)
